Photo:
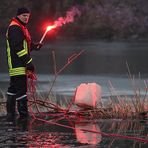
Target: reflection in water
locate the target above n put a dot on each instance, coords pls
(65, 132)
(52, 134)
(88, 137)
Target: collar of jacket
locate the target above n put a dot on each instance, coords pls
(24, 29)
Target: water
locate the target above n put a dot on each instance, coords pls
(68, 133)
(99, 57)
(67, 84)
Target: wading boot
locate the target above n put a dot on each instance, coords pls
(10, 107)
(22, 108)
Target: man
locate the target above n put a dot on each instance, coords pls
(19, 45)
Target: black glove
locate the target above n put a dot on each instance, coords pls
(30, 67)
(37, 46)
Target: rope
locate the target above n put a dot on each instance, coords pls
(31, 78)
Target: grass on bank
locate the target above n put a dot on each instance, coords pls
(118, 106)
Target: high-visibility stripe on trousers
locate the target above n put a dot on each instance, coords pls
(18, 87)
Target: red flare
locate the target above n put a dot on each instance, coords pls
(50, 27)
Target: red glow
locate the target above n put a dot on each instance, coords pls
(50, 27)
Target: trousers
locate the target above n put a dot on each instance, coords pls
(17, 91)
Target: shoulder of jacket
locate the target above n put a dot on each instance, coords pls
(15, 27)
(14, 30)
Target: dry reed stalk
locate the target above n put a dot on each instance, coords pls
(122, 107)
(57, 72)
(138, 102)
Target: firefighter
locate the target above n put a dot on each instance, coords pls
(19, 46)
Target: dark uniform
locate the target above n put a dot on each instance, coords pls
(19, 46)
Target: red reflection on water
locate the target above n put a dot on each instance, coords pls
(87, 137)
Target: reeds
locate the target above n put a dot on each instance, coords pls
(123, 106)
(119, 106)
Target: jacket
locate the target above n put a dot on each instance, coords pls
(18, 47)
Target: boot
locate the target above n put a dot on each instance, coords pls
(22, 108)
(10, 107)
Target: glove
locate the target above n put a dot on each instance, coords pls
(30, 67)
(37, 46)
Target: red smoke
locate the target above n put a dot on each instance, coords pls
(69, 17)
(62, 20)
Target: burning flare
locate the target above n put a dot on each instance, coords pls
(50, 28)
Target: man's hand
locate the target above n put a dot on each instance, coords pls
(30, 67)
(38, 46)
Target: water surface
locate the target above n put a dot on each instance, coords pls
(68, 133)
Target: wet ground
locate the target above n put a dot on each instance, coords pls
(68, 132)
